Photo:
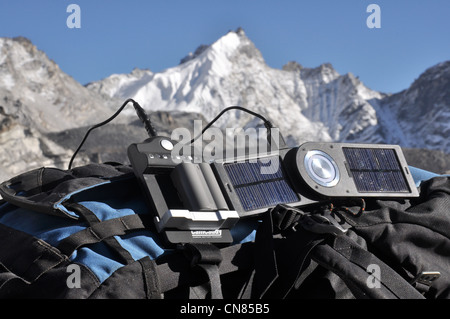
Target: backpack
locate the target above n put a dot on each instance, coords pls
(87, 233)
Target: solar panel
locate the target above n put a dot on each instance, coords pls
(257, 185)
(375, 170)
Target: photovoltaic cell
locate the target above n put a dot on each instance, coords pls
(260, 184)
(375, 170)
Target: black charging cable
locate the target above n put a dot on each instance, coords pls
(152, 132)
(140, 113)
(267, 123)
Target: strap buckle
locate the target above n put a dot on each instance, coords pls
(323, 223)
(425, 279)
(202, 254)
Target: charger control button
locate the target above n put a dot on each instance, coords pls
(167, 145)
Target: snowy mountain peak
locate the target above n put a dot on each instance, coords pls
(37, 99)
(322, 74)
(227, 45)
(18, 61)
(306, 103)
(50, 99)
(196, 84)
(422, 111)
(44, 112)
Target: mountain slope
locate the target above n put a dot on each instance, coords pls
(35, 90)
(422, 112)
(44, 112)
(229, 72)
(37, 98)
(306, 103)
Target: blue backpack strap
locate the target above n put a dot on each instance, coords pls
(100, 230)
(97, 231)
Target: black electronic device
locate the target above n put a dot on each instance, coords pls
(328, 170)
(312, 173)
(255, 183)
(194, 201)
(183, 193)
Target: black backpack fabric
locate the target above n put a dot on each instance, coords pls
(88, 233)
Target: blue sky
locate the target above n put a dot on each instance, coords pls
(117, 35)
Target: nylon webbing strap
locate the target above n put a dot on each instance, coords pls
(207, 257)
(102, 236)
(172, 268)
(281, 254)
(266, 270)
(152, 282)
(167, 274)
(100, 231)
(341, 258)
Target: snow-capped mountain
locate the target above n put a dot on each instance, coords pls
(305, 103)
(232, 71)
(44, 113)
(39, 94)
(37, 98)
(420, 115)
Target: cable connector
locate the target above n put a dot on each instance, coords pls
(268, 124)
(145, 119)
